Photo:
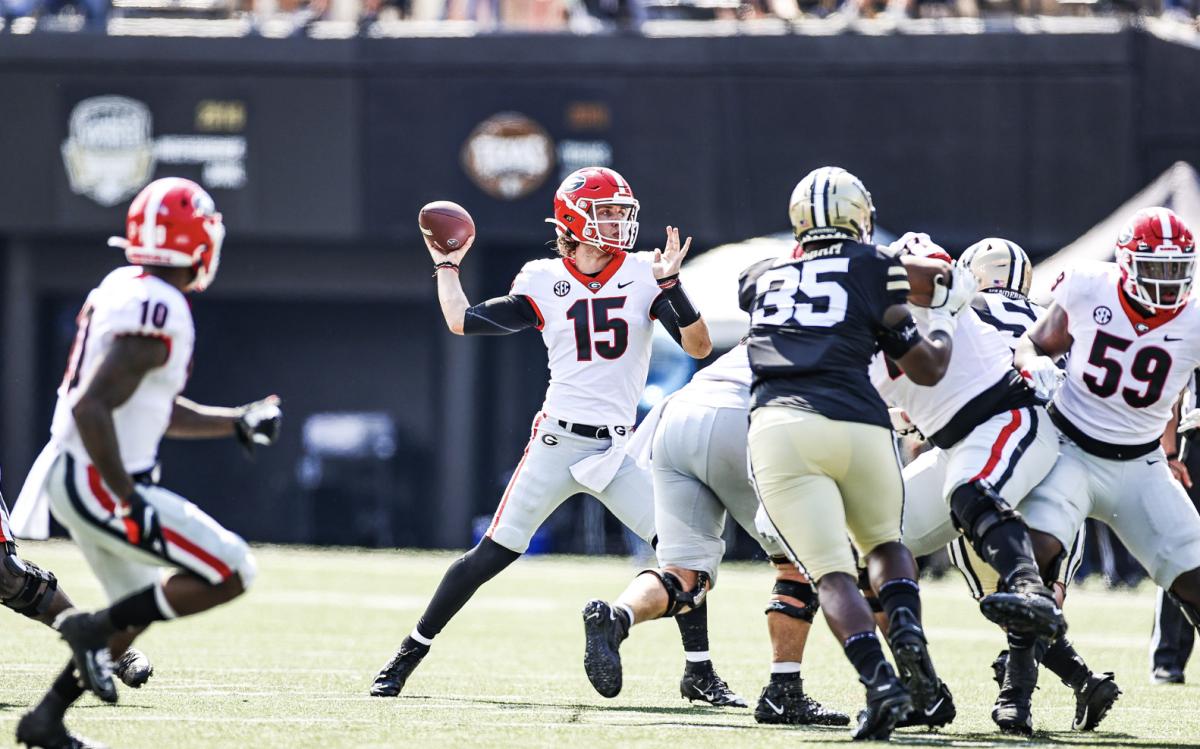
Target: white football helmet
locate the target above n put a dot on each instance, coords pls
(999, 264)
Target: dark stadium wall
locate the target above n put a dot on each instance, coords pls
(319, 153)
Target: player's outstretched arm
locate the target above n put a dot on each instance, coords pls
(115, 380)
(450, 291)
(255, 423)
(693, 331)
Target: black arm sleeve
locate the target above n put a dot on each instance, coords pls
(662, 311)
(898, 339)
(501, 316)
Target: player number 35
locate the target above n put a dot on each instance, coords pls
(777, 290)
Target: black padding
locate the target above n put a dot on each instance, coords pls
(36, 587)
(679, 599)
(976, 509)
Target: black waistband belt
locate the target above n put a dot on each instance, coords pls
(587, 430)
(1093, 446)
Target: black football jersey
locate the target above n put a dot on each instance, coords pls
(815, 324)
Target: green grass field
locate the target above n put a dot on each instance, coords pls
(289, 664)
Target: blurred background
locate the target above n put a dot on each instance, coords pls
(320, 129)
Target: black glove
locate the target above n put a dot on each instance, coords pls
(142, 528)
(259, 423)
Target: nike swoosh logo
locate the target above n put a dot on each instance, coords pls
(778, 710)
(1169, 338)
(1151, 462)
(623, 285)
(929, 711)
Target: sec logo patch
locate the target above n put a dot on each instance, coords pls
(1102, 315)
(562, 288)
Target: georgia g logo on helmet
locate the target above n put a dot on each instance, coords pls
(173, 222)
(1157, 258)
(831, 203)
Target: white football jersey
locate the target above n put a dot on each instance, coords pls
(129, 303)
(723, 384)
(979, 360)
(1124, 371)
(1010, 313)
(598, 332)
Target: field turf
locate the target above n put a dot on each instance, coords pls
(289, 664)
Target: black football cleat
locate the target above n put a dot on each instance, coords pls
(930, 696)
(390, 681)
(1013, 711)
(134, 668)
(1093, 701)
(44, 729)
(888, 703)
(785, 702)
(603, 629)
(1029, 608)
(942, 712)
(88, 640)
(706, 686)
(1165, 675)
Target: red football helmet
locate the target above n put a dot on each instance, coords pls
(173, 222)
(576, 201)
(1157, 258)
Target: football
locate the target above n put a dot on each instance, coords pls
(446, 225)
(921, 274)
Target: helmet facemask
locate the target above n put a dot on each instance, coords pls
(208, 257)
(1159, 280)
(610, 234)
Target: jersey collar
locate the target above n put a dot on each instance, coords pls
(596, 282)
(1143, 323)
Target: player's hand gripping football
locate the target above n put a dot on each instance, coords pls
(956, 294)
(142, 528)
(668, 261)
(259, 423)
(447, 257)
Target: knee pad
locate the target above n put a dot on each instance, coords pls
(33, 590)
(802, 592)
(976, 509)
(680, 601)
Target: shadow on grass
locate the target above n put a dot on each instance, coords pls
(1043, 738)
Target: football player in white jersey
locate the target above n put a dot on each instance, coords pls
(928, 526)
(1133, 338)
(595, 306)
(119, 397)
(695, 443)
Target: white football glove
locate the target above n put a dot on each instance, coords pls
(916, 243)
(962, 289)
(904, 427)
(259, 423)
(1044, 376)
(1190, 421)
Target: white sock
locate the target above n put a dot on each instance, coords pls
(426, 641)
(700, 656)
(628, 611)
(785, 667)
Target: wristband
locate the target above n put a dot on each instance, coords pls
(668, 282)
(685, 312)
(444, 265)
(1173, 456)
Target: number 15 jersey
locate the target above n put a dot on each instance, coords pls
(598, 332)
(1124, 370)
(815, 324)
